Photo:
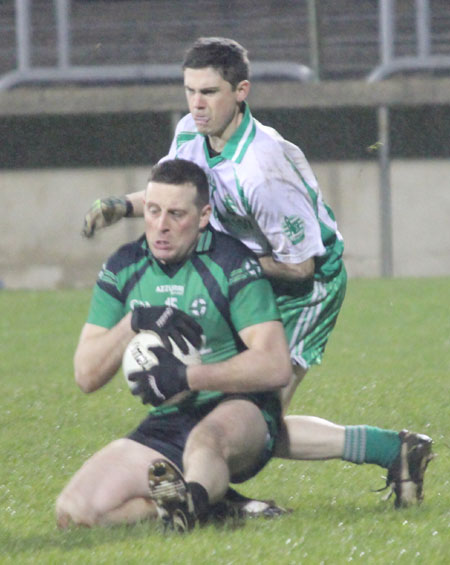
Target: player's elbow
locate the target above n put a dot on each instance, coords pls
(305, 270)
(84, 377)
(281, 370)
(284, 374)
(84, 383)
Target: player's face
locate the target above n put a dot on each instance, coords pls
(172, 220)
(214, 105)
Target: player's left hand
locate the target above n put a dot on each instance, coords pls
(162, 381)
(104, 212)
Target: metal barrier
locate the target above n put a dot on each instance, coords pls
(64, 71)
(390, 64)
(423, 59)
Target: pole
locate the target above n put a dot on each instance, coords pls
(385, 193)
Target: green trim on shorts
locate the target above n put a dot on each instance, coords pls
(309, 319)
(270, 407)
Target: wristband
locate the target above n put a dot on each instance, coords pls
(129, 208)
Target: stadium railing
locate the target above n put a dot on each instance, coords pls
(64, 71)
(318, 35)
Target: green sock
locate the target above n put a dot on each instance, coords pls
(367, 444)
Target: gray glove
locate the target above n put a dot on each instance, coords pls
(105, 212)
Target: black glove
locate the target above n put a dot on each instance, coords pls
(162, 381)
(168, 322)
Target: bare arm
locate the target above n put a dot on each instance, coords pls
(99, 353)
(265, 365)
(137, 200)
(288, 272)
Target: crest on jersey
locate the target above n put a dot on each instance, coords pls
(253, 268)
(294, 229)
(198, 307)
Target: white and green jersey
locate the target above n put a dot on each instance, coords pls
(264, 193)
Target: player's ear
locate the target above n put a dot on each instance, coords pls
(205, 214)
(242, 90)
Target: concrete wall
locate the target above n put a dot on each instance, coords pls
(420, 215)
(42, 213)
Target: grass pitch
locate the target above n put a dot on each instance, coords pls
(387, 364)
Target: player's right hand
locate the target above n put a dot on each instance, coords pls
(168, 322)
(104, 212)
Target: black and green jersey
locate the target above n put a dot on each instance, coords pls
(221, 285)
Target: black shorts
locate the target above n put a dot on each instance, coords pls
(167, 433)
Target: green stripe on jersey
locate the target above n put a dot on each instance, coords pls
(329, 264)
(241, 193)
(238, 143)
(184, 137)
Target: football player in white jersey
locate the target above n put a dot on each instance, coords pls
(264, 192)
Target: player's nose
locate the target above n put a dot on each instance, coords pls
(199, 100)
(163, 221)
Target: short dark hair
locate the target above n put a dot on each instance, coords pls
(224, 55)
(181, 171)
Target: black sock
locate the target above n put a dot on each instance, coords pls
(200, 500)
(234, 496)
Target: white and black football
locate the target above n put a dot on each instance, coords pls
(138, 357)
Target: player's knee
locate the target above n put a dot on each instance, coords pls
(208, 436)
(73, 509)
(119, 445)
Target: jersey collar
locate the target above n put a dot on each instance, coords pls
(238, 143)
(206, 241)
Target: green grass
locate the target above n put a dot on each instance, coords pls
(387, 364)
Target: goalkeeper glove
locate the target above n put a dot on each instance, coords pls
(168, 322)
(162, 381)
(104, 212)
